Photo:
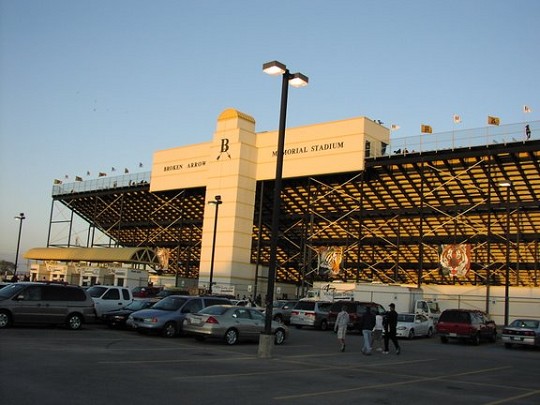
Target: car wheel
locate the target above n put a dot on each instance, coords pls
(324, 325)
(280, 337)
(411, 334)
(493, 337)
(430, 332)
(231, 337)
(169, 330)
(444, 339)
(508, 345)
(476, 339)
(74, 321)
(5, 319)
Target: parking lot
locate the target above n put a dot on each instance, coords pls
(97, 365)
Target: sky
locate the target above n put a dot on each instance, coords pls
(86, 86)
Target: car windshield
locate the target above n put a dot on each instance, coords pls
(525, 323)
(405, 318)
(305, 305)
(214, 310)
(136, 305)
(170, 303)
(10, 290)
(434, 307)
(96, 291)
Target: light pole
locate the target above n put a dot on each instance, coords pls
(21, 218)
(275, 68)
(508, 186)
(217, 203)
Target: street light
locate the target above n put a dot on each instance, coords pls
(217, 202)
(508, 186)
(275, 68)
(21, 218)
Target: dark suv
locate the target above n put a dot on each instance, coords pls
(356, 309)
(466, 324)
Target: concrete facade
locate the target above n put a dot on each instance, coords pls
(236, 158)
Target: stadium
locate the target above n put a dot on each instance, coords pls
(358, 205)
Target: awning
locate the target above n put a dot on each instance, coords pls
(77, 254)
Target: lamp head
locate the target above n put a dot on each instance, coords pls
(298, 80)
(274, 68)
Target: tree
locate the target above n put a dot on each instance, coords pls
(6, 267)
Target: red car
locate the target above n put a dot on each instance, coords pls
(145, 292)
(466, 324)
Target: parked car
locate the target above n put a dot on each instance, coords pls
(171, 291)
(522, 332)
(109, 297)
(45, 303)
(311, 313)
(281, 310)
(356, 309)
(466, 324)
(167, 315)
(145, 292)
(232, 324)
(118, 317)
(412, 325)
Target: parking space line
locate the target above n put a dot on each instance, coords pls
(511, 399)
(386, 385)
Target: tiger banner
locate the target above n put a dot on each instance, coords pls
(426, 129)
(456, 259)
(493, 120)
(329, 260)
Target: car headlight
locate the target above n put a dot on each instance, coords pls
(401, 328)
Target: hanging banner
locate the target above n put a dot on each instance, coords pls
(329, 260)
(456, 259)
(163, 255)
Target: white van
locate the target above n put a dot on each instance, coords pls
(109, 297)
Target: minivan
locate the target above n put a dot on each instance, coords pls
(45, 303)
(167, 315)
(310, 313)
(466, 324)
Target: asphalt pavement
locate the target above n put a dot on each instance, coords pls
(97, 365)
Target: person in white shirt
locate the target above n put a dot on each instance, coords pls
(378, 333)
(340, 327)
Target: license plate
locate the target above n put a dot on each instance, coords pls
(452, 334)
(516, 338)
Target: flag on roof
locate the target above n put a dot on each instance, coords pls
(140, 164)
(78, 178)
(113, 169)
(493, 120)
(56, 181)
(126, 171)
(526, 109)
(457, 119)
(426, 129)
(88, 173)
(394, 127)
(101, 174)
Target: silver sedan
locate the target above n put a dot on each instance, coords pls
(231, 323)
(524, 332)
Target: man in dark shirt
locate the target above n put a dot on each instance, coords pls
(390, 326)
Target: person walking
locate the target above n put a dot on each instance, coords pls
(368, 323)
(342, 321)
(390, 329)
(377, 344)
